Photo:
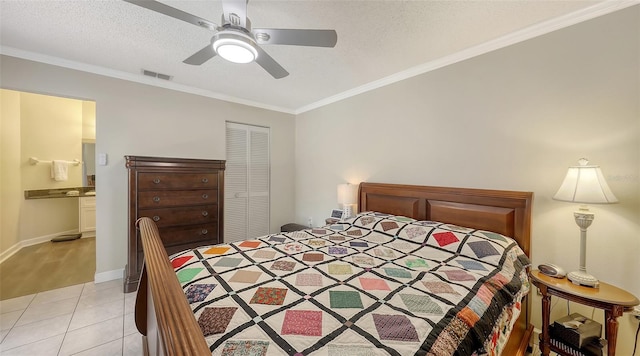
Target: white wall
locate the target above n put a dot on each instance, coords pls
(512, 119)
(10, 187)
(136, 119)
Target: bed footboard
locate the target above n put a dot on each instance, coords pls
(162, 313)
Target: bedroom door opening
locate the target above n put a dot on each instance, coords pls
(247, 182)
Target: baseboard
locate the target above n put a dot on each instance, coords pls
(34, 241)
(108, 275)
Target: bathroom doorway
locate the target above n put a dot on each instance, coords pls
(38, 206)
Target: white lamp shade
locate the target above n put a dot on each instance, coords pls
(347, 194)
(585, 184)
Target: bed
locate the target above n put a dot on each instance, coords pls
(363, 286)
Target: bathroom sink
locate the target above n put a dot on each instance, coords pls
(93, 192)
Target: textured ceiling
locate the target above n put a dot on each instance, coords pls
(376, 39)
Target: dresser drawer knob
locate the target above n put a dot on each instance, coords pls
(156, 218)
(204, 232)
(205, 180)
(205, 196)
(156, 181)
(205, 213)
(156, 199)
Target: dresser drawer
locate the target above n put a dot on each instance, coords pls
(181, 216)
(166, 198)
(152, 180)
(205, 234)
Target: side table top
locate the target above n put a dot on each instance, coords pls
(606, 293)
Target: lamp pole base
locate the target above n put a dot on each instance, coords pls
(583, 279)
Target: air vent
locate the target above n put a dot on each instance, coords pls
(149, 73)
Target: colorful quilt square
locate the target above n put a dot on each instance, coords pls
(350, 350)
(198, 292)
(264, 254)
(245, 348)
(459, 275)
(179, 261)
(356, 232)
(388, 225)
(483, 248)
(215, 320)
(416, 263)
(472, 265)
(395, 327)
(373, 284)
(384, 252)
(336, 238)
(337, 250)
(358, 244)
(313, 257)
(299, 235)
(317, 243)
(187, 274)
(250, 244)
(421, 304)
(216, 250)
(438, 287)
(269, 296)
(292, 248)
(308, 279)
(397, 272)
(366, 220)
(228, 262)
(445, 238)
(337, 269)
(415, 231)
(277, 239)
(400, 245)
(319, 231)
(302, 322)
(364, 260)
(404, 219)
(345, 299)
(283, 266)
(245, 277)
(494, 236)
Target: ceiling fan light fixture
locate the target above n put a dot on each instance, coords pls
(235, 47)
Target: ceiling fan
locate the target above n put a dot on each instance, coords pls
(237, 42)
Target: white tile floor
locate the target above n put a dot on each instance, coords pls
(85, 319)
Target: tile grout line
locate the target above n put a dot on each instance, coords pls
(71, 319)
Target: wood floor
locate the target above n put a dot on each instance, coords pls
(47, 266)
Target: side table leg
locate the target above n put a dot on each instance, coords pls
(611, 329)
(546, 310)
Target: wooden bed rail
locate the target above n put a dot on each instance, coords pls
(165, 320)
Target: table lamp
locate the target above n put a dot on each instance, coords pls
(584, 184)
(347, 197)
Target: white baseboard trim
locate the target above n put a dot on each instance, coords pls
(36, 240)
(108, 275)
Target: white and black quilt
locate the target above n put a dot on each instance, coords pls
(371, 285)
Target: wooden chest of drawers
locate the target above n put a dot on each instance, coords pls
(185, 199)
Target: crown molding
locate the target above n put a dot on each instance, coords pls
(112, 73)
(542, 28)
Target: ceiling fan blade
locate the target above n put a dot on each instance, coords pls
(296, 37)
(201, 56)
(173, 12)
(237, 7)
(270, 65)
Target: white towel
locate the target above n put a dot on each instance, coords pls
(59, 170)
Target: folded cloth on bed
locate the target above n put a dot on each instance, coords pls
(59, 170)
(374, 284)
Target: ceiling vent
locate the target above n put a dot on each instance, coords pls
(156, 75)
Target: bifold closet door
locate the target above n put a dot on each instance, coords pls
(246, 182)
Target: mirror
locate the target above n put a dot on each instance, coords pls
(89, 164)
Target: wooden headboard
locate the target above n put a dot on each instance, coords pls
(504, 212)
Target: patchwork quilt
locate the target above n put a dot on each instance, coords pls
(374, 284)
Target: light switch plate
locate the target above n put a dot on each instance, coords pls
(102, 159)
